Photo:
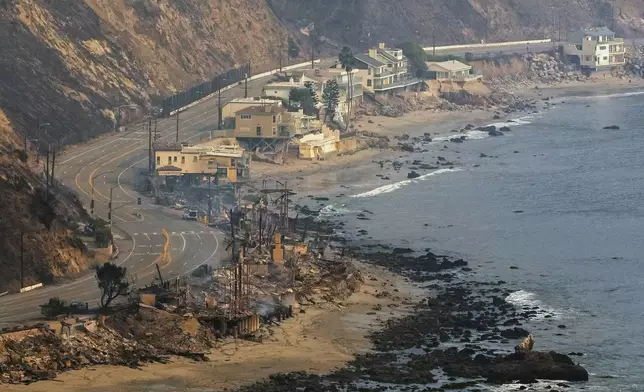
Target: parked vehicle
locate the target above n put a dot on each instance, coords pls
(190, 214)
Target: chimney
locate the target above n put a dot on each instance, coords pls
(372, 53)
(381, 45)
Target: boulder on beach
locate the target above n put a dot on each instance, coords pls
(413, 174)
(487, 128)
(615, 127)
(495, 133)
(535, 365)
(505, 129)
(514, 333)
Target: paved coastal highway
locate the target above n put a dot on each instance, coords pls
(112, 161)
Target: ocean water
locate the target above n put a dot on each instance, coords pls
(558, 197)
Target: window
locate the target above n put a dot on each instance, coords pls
(158, 160)
(175, 158)
(183, 160)
(169, 160)
(245, 116)
(274, 131)
(602, 47)
(605, 58)
(258, 131)
(589, 58)
(369, 71)
(222, 172)
(194, 159)
(368, 82)
(389, 65)
(274, 119)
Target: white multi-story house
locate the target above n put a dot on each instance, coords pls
(385, 70)
(595, 49)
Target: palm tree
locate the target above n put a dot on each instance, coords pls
(348, 61)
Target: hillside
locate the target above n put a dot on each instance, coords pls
(366, 22)
(49, 248)
(70, 62)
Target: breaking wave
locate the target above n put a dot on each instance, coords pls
(397, 185)
(529, 299)
(332, 210)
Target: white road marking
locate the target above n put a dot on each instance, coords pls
(198, 236)
(146, 236)
(154, 233)
(184, 243)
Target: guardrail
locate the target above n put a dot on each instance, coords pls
(3, 294)
(488, 45)
(32, 287)
(254, 77)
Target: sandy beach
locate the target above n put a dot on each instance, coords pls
(326, 336)
(323, 338)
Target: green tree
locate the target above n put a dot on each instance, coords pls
(417, 57)
(330, 98)
(312, 93)
(113, 282)
(293, 49)
(301, 96)
(348, 61)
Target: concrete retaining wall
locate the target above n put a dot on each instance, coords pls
(29, 288)
(488, 45)
(254, 77)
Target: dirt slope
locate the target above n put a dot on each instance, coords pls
(70, 62)
(365, 22)
(49, 248)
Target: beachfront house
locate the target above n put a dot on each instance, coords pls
(229, 163)
(451, 70)
(337, 73)
(386, 71)
(594, 49)
(281, 89)
(264, 130)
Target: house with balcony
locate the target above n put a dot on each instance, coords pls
(223, 162)
(386, 71)
(264, 130)
(594, 49)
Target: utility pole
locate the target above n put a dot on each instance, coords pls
(22, 259)
(53, 166)
(155, 126)
(109, 214)
(434, 40)
(487, 23)
(150, 159)
(209, 199)
(47, 175)
(246, 85)
(177, 137)
(219, 113)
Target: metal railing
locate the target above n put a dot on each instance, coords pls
(202, 90)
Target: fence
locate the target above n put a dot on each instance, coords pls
(199, 91)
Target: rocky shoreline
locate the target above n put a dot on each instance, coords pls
(460, 336)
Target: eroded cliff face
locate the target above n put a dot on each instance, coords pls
(69, 62)
(366, 22)
(50, 250)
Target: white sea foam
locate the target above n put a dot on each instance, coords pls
(400, 184)
(616, 95)
(332, 210)
(523, 298)
(525, 120)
